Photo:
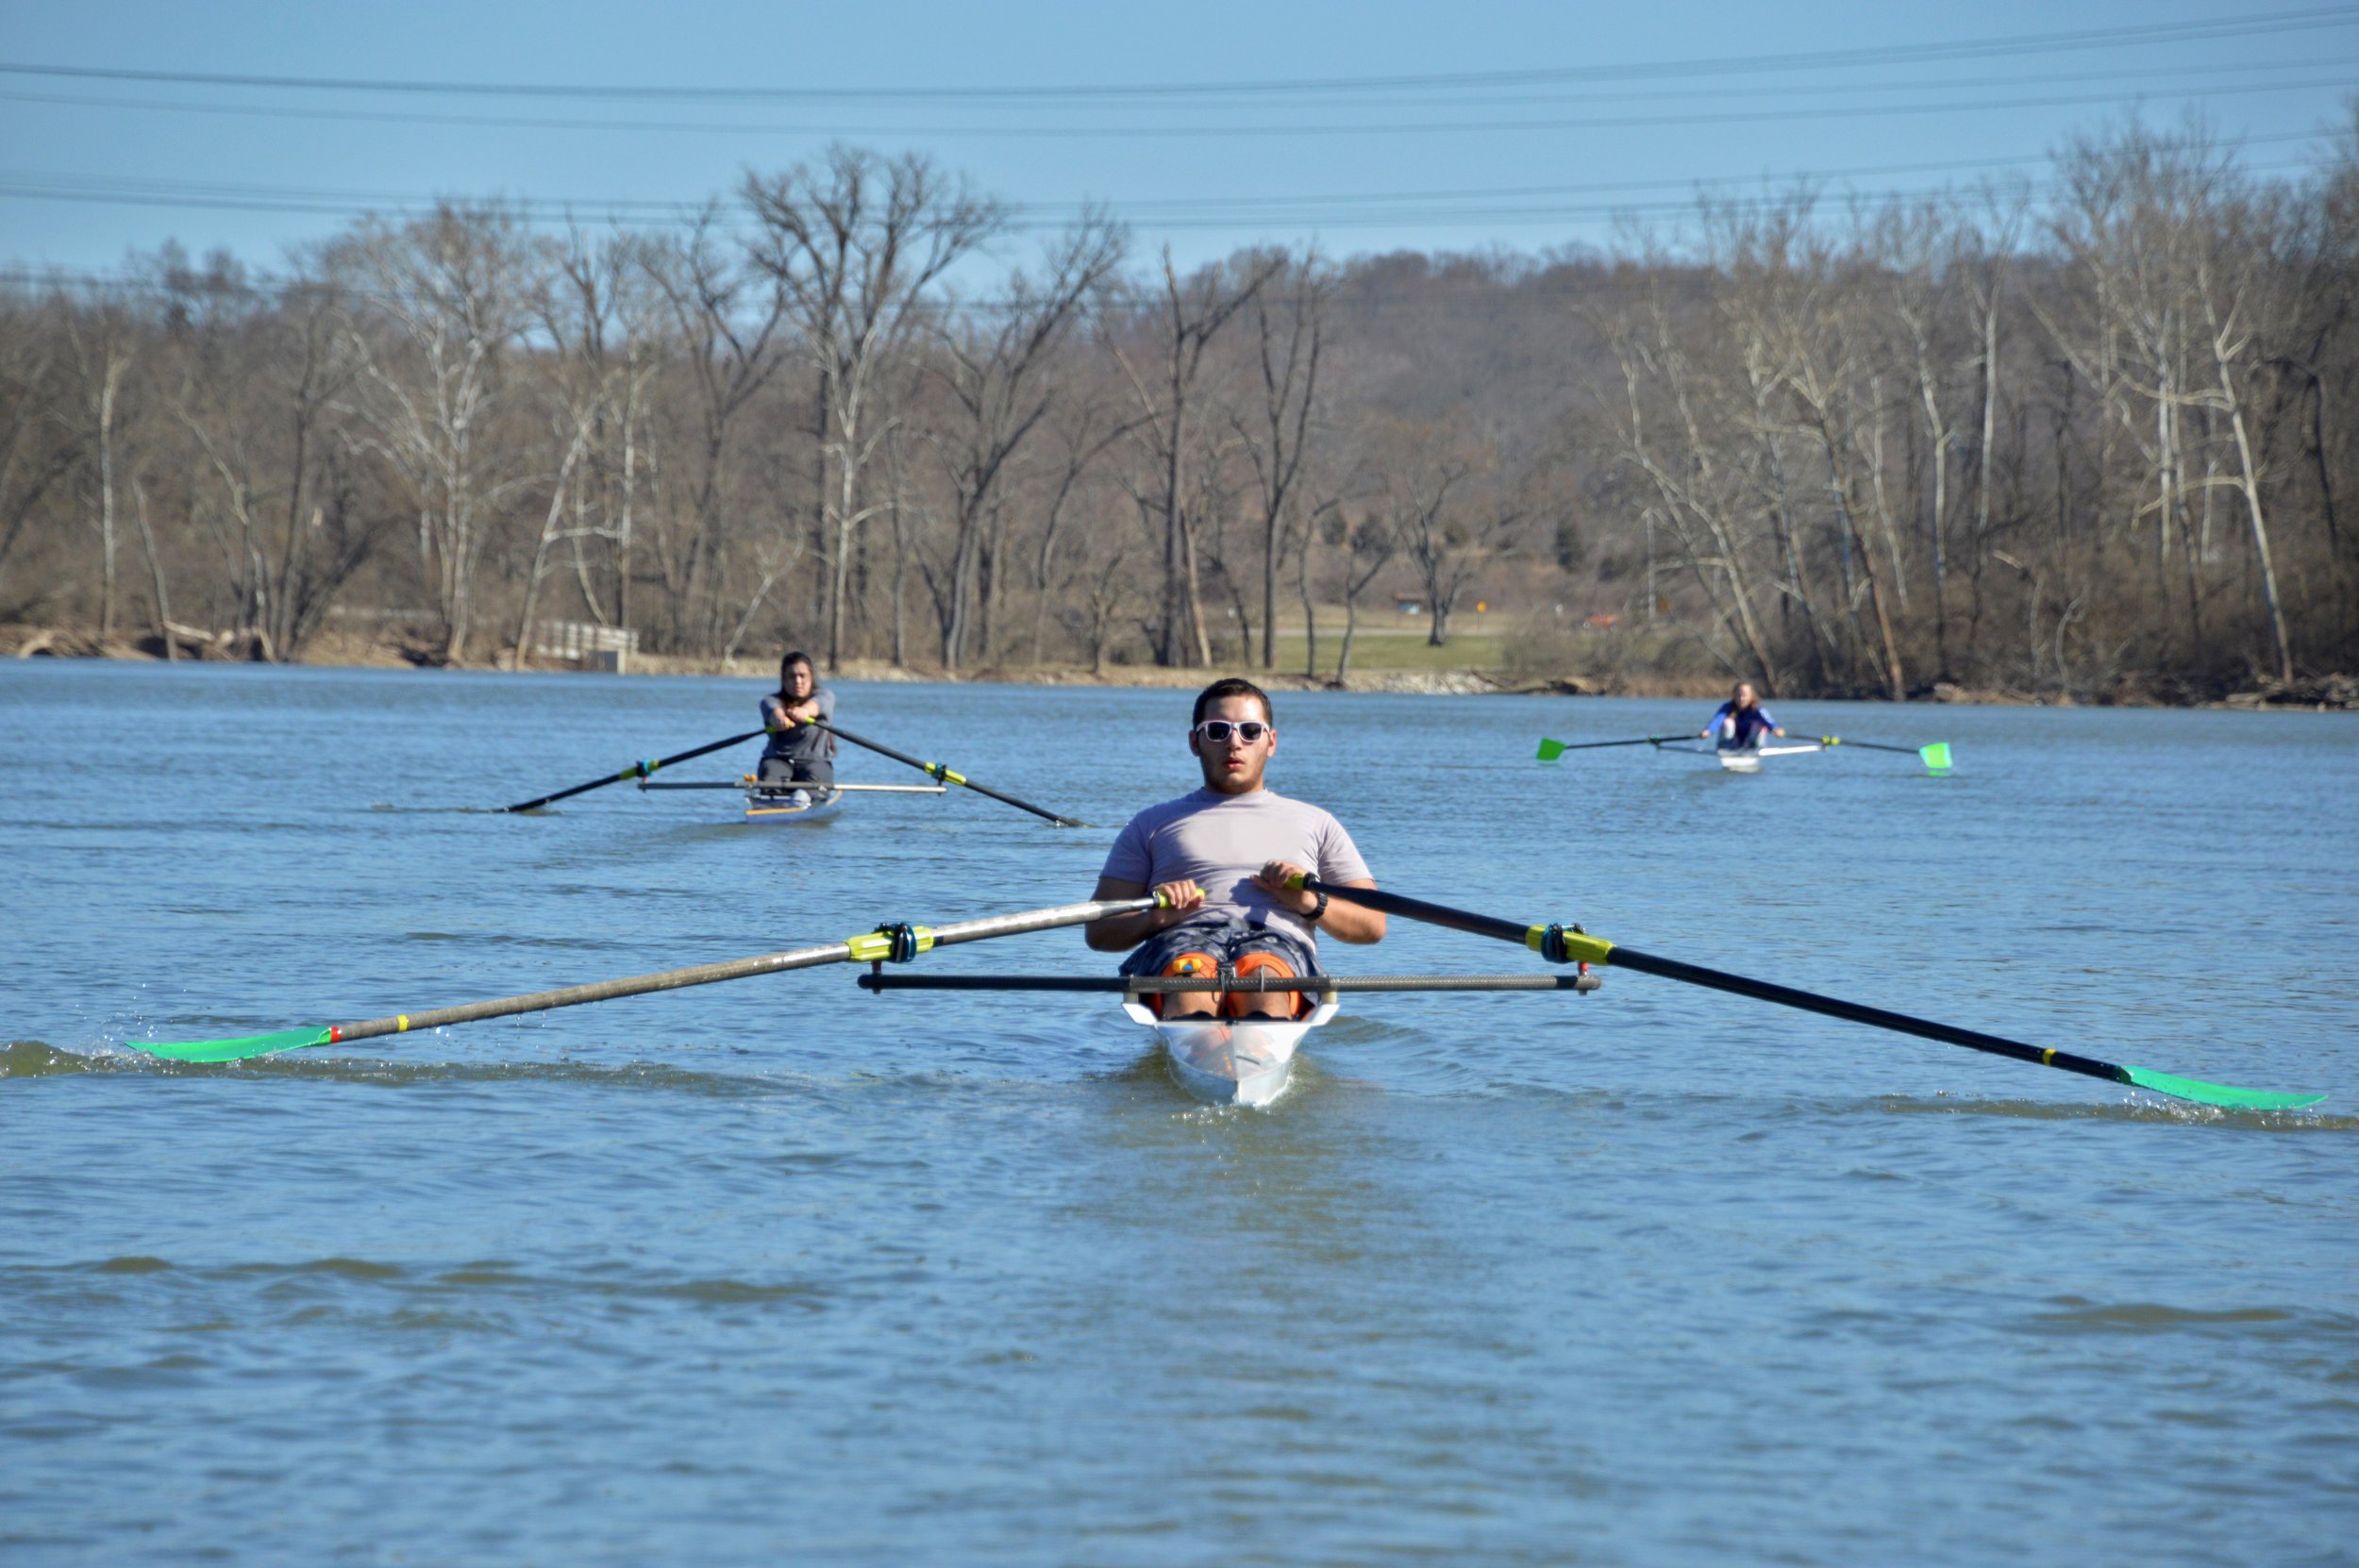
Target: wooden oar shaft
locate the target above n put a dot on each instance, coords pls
(937, 770)
(861, 949)
(637, 770)
(869, 947)
(597, 991)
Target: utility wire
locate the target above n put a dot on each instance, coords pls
(1036, 218)
(2201, 30)
(92, 188)
(1195, 130)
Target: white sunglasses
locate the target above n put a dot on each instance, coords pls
(1216, 730)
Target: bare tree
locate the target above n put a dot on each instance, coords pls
(726, 317)
(260, 387)
(105, 344)
(452, 292)
(1370, 546)
(854, 245)
(1291, 335)
(999, 373)
(1190, 316)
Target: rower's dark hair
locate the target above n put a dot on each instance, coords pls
(1233, 686)
(793, 658)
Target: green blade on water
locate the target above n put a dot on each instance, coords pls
(1936, 756)
(2216, 1093)
(1551, 750)
(236, 1050)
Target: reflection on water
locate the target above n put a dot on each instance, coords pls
(781, 1268)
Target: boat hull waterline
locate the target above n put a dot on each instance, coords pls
(774, 806)
(1743, 759)
(1245, 1061)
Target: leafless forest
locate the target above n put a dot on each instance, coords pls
(2095, 436)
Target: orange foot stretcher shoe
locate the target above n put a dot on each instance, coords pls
(1239, 1004)
(1187, 966)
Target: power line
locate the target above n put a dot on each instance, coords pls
(2145, 77)
(2202, 30)
(1313, 216)
(101, 189)
(837, 130)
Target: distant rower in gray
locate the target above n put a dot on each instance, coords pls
(798, 754)
(1223, 857)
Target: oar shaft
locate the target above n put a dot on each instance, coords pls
(937, 770)
(1566, 945)
(1831, 1007)
(599, 990)
(861, 949)
(1641, 740)
(1432, 914)
(1165, 985)
(1868, 746)
(869, 947)
(1673, 969)
(637, 770)
(753, 787)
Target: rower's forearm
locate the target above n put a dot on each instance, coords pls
(1118, 934)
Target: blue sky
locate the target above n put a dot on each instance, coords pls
(1369, 146)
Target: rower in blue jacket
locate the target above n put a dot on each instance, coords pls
(1740, 721)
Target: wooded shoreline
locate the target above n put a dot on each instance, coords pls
(2085, 441)
(2322, 694)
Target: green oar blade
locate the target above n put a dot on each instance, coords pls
(240, 1049)
(2224, 1094)
(1551, 750)
(1936, 757)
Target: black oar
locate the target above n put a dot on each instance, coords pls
(1561, 944)
(936, 770)
(898, 942)
(1551, 750)
(1936, 757)
(638, 770)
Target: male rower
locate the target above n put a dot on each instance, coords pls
(797, 754)
(1223, 857)
(1741, 722)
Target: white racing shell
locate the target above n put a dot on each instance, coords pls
(1243, 1061)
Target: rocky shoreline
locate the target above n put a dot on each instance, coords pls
(2320, 693)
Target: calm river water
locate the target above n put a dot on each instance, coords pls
(778, 1271)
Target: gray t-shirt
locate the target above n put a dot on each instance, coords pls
(1219, 841)
(802, 743)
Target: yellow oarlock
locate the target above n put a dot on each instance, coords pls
(1579, 947)
(876, 946)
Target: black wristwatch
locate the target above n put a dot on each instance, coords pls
(1317, 909)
